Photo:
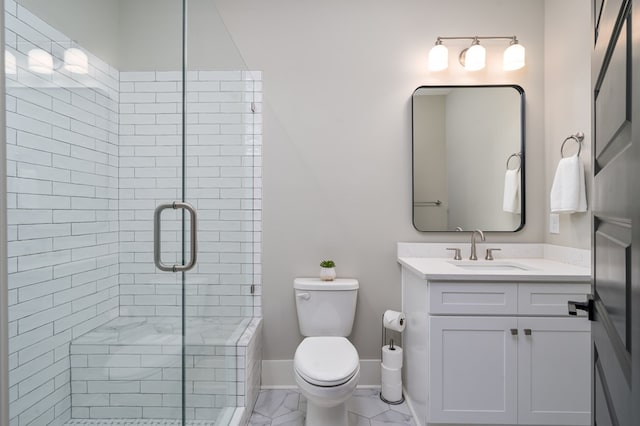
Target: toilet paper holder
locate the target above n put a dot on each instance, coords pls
(384, 335)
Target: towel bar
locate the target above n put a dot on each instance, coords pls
(427, 203)
(578, 137)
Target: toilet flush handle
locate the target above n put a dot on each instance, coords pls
(304, 296)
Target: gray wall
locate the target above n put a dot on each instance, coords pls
(567, 106)
(144, 35)
(337, 158)
(337, 173)
(91, 23)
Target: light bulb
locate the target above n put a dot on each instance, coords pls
(76, 61)
(513, 58)
(40, 61)
(475, 57)
(438, 57)
(10, 66)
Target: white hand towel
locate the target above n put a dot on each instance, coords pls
(568, 192)
(511, 199)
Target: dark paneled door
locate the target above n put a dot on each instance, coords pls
(616, 205)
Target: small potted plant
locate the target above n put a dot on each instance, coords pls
(327, 270)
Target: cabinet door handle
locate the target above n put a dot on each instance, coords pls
(527, 332)
(514, 331)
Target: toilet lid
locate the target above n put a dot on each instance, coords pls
(326, 361)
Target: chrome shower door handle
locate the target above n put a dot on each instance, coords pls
(157, 243)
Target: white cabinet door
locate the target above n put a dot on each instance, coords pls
(554, 384)
(473, 370)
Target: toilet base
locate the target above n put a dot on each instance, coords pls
(326, 416)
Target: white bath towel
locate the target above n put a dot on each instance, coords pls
(511, 199)
(568, 192)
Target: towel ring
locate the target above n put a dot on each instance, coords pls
(518, 156)
(578, 137)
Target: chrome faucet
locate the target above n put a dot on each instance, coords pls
(473, 243)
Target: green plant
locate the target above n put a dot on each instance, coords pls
(327, 264)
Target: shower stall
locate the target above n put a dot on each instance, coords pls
(133, 143)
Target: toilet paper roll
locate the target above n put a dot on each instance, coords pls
(392, 393)
(392, 358)
(394, 320)
(391, 376)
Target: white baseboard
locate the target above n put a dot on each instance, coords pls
(278, 374)
(409, 402)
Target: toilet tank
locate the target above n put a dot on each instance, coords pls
(325, 308)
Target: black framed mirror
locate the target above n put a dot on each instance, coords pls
(468, 158)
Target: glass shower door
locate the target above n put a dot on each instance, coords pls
(107, 121)
(222, 153)
(94, 143)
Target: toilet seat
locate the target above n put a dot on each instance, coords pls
(326, 361)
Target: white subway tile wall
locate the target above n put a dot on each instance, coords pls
(62, 171)
(223, 164)
(89, 158)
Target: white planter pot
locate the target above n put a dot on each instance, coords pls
(327, 274)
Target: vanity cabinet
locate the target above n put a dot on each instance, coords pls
(508, 370)
(473, 370)
(496, 352)
(554, 380)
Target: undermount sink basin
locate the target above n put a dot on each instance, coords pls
(489, 266)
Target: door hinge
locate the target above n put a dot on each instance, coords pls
(253, 288)
(253, 107)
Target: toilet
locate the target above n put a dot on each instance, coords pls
(326, 365)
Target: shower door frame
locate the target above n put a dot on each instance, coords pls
(4, 305)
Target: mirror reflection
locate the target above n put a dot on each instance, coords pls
(468, 158)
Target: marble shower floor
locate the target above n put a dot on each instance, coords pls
(288, 408)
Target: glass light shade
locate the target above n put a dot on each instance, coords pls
(475, 58)
(513, 57)
(76, 61)
(438, 58)
(10, 66)
(40, 61)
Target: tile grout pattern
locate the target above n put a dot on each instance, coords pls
(222, 182)
(288, 408)
(62, 208)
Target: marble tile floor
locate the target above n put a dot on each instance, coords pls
(288, 408)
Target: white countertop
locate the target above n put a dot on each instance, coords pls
(533, 269)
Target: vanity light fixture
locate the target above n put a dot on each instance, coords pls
(438, 57)
(513, 58)
(473, 58)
